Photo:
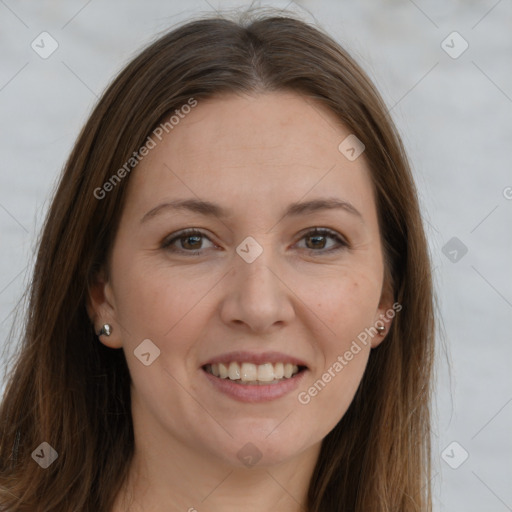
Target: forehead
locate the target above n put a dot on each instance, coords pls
(252, 151)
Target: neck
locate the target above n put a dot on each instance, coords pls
(185, 489)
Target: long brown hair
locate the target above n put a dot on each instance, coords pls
(69, 390)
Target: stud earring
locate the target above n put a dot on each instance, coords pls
(106, 330)
(380, 329)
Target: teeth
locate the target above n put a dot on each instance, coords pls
(248, 372)
(223, 371)
(234, 371)
(266, 372)
(279, 370)
(252, 373)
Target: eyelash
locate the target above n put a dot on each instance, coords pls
(166, 244)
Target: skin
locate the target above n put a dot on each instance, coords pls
(254, 155)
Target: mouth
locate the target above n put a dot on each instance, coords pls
(254, 377)
(251, 374)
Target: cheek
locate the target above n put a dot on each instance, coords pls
(165, 306)
(351, 309)
(347, 306)
(329, 394)
(346, 301)
(169, 307)
(155, 301)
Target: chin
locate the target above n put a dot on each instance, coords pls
(258, 451)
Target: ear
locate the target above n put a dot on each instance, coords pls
(385, 313)
(100, 306)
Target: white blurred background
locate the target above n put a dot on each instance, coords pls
(453, 107)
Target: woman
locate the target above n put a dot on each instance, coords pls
(232, 305)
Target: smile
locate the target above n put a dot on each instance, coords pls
(253, 374)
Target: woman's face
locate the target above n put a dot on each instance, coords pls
(256, 285)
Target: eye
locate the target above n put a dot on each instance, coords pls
(317, 238)
(190, 241)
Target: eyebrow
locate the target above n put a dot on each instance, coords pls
(208, 208)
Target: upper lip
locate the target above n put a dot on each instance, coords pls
(257, 358)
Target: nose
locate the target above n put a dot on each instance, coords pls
(258, 298)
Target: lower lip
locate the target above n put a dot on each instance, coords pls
(251, 393)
